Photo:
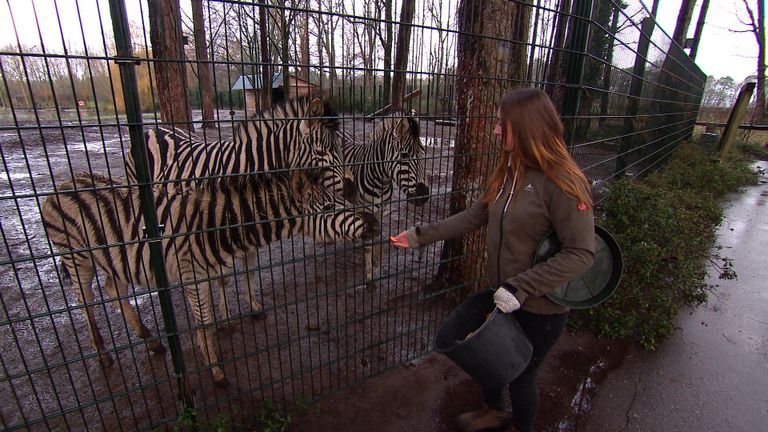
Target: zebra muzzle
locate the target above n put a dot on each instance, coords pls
(371, 225)
(350, 191)
(419, 196)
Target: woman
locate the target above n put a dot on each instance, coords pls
(536, 188)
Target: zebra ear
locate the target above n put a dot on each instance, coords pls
(402, 128)
(315, 109)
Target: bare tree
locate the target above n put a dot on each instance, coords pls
(556, 68)
(304, 46)
(326, 26)
(266, 70)
(606, 93)
(699, 28)
(364, 32)
(756, 26)
(170, 71)
(387, 44)
(683, 21)
(401, 53)
(203, 68)
(599, 45)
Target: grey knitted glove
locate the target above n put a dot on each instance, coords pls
(505, 300)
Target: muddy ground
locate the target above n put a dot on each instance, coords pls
(324, 331)
(428, 393)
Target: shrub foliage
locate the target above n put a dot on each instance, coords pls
(665, 225)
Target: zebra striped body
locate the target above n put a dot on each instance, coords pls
(94, 223)
(298, 134)
(392, 154)
(301, 133)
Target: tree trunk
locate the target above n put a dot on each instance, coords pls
(203, 68)
(401, 53)
(556, 68)
(387, 96)
(655, 8)
(304, 47)
(606, 94)
(594, 70)
(699, 28)
(683, 21)
(760, 107)
(284, 51)
(518, 55)
(483, 66)
(170, 72)
(266, 69)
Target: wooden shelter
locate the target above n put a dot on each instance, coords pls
(251, 85)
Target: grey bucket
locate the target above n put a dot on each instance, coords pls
(496, 353)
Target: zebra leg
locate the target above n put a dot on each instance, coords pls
(119, 289)
(199, 298)
(368, 259)
(82, 278)
(257, 310)
(226, 327)
(376, 251)
(373, 258)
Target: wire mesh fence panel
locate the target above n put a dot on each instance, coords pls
(196, 197)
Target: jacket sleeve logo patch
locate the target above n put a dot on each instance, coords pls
(582, 206)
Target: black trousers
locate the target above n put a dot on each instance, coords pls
(543, 331)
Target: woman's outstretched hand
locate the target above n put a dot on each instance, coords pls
(400, 240)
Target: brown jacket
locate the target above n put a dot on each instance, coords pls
(537, 208)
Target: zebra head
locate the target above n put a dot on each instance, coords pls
(328, 217)
(407, 154)
(321, 148)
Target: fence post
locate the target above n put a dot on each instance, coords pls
(635, 91)
(577, 52)
(126, 62)
(734, 119)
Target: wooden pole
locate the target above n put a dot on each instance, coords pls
(734, 120)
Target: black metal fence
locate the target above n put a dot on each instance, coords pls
(79, 85)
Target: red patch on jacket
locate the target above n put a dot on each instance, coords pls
(582, 206)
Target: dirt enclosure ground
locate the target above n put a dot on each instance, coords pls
(324, 333)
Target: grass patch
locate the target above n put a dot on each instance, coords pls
(666, 226)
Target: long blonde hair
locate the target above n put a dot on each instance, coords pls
(537, 133)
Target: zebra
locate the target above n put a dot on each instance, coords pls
(299, 133)
(92, 223)
(392, 154)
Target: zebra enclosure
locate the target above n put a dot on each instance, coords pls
(196, 196)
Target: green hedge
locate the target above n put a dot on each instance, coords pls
(666, 226)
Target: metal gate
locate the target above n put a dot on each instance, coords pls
(80, 85)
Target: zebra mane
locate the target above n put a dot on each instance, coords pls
(299, 182)
(297, 108)
(388, 121)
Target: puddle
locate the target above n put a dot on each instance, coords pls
(583, 369)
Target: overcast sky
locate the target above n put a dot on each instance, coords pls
(721, 53)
